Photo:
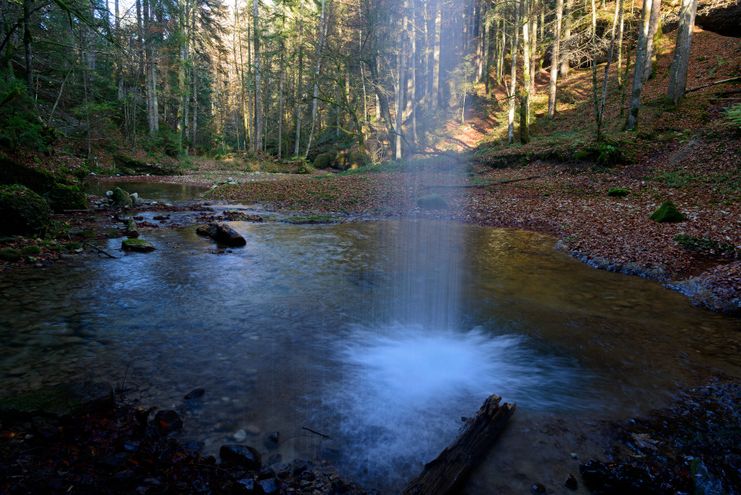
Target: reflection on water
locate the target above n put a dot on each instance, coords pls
(161, 191)
(294, 330)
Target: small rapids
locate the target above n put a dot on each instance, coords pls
(404, 389)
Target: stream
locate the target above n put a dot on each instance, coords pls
(294, 331)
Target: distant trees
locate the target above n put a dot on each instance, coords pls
(303, 76)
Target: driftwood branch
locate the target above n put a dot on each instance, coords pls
(714, 83)
(314, 432)
(101, 251)
(449, 470)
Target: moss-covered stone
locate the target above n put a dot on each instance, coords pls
(706, 246)
(325, 160)
(121, 198)
(617, 192)
(23, 212)
(137, 245)
(65, 197)
(667, 213)
(10, 254)
(432, 202)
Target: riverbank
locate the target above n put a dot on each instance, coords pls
(83, 438)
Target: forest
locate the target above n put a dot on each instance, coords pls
(370, 246)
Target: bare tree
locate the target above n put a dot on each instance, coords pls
(640, 63)
(555, 58)
(680, 63)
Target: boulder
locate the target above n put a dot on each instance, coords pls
(131, 231)
(242, 456)
(121, 198)
(65, 197)
(12, 172)
(23, 212)
(222, 234)
(137, 245)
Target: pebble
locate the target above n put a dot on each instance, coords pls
(240, 435)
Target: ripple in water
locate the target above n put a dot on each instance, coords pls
(403, 390)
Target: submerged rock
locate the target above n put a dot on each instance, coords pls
(432, 202)
(137, 245)
(196, 393)
(240, 455)
(222, 234)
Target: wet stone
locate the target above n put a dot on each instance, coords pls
(196, 393)
(269, 486)
(240, 455)
(167, 422)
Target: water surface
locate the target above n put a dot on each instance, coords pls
(295, 330)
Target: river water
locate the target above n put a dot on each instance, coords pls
(293, 331)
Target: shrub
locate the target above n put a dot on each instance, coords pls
(23, 212)
(19, 126)
(706, 246)
(10, 254)
(617, 192)
(733, 114)
(63, 197)
(325, 160)
(667, 213)
(12, 172)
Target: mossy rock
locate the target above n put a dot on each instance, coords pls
(667, 213)
(12, 172)
(137, 246)
(351, 159)
(121, 198)
(23, 212)
(64, 197)
(432, 202)
(10, 254)
(325, 160)
(617, 192)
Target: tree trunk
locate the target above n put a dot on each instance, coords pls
(435, 93)
(680, 63)
(640, 63)
(27, 48)
(526, 81)
(512, 90)
(317, 69)
(299, 86)
(555, 54)
(565, 51)
(257, 141)
(446, 474)
(654, 34)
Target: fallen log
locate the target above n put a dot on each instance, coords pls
(448, 471)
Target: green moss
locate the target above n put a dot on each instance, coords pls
(121, 198)
(22, 211)
(432, 202)
(12, 172)
(667, 213)
(617, 192)
(31, 250)
(10, 254)
(676, 179)
(64, 197)
(137, 245)
(706, 246)
(325, 160)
